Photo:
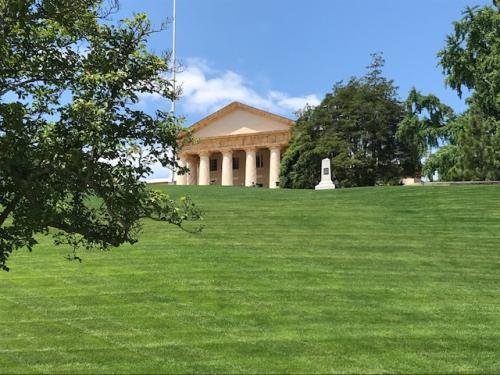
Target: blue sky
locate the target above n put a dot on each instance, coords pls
(280, 54)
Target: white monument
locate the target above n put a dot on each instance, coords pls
(326, 176)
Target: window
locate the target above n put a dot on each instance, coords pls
(236, 163)
(213, 165)
(259, 161)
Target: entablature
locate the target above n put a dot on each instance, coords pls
(277, 138)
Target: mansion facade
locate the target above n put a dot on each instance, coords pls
(237, 145)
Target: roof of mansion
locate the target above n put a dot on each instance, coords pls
(235, 106)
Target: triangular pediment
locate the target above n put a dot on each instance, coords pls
(237, 118)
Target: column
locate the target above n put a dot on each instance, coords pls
(274, 166)
(191, 176)
(227, 168)
(250, 168)
(204, 168)
(180, 179)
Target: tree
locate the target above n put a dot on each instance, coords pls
(472, 151)
(471, 59)
(73, 148)
(355, 127)
(422, 129)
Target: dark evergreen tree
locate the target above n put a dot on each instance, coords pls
(355, 126)
(472, 151)
(423, 128)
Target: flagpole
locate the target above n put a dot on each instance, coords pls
(174, 71)
(173, 51)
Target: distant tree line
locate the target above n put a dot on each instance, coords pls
(372, 137)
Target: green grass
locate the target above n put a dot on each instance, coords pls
(353, 280)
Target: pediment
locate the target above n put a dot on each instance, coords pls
(237, 119)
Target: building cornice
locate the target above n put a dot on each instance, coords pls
(270, 139)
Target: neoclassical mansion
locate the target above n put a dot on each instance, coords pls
(237, 145)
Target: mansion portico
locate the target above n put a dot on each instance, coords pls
(237, 145)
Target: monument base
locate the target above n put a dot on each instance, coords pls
(325, 185)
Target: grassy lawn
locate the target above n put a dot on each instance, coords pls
(353, 280)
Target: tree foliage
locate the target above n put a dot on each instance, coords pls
(471, 59)
(73, 147)
(423, 127)
(355, 126)
(472, 151)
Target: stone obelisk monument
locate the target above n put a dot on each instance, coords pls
(326, 176)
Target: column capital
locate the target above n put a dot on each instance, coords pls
(226, 151)
(250, 148)
(204, 153)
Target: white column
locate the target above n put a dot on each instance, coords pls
(191, 176)
(180, 179)
(204, 169)
(274, 167)
(250, 168)
(227, 168)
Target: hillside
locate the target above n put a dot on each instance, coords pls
(352, 280)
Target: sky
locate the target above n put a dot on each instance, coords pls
(280, 55)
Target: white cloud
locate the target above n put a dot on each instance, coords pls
(293, 103)
(149, 97)
(205, 90)
(159, 172)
